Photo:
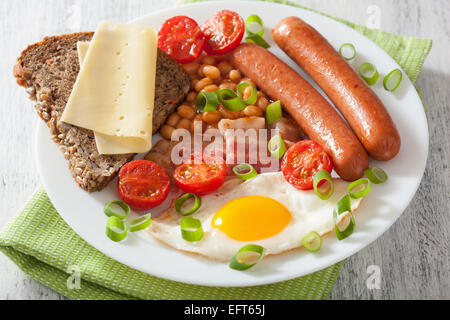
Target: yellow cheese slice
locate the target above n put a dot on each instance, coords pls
(115, 88)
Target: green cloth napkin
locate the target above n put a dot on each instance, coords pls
(45, 247)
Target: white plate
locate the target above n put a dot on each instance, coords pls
(84, 212)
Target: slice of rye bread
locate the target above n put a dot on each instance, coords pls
(48, 70)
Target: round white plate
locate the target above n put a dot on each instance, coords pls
(84, 212)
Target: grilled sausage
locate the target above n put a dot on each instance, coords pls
(307, 106)
(359, 105)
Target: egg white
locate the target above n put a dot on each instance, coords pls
(309, 213)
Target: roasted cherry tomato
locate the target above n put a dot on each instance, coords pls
(223, 32)
(302, 161)
(143, 184)
(200, 175)
(181, 38)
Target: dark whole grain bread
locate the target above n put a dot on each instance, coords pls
(48, 70)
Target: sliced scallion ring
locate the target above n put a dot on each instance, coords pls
(348, 51)
(344, 205)
(376, 175)
(185, 197)
(253, 97)
(116, 229)
(276, 146)
(362, 192)
(141, 223)
(320, 176)
(230, 100)
(392, 81)
(254, 25)
(247, 257)
(273, 112)
(206, 101)
(257, 39)
(369, 73)
(244, 171)
(191, 229)
(312, 241)
(117, 209)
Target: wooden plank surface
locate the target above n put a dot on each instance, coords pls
(413, 254)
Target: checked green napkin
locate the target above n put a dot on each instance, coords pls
(45, 247)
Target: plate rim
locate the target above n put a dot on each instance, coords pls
(40, 125)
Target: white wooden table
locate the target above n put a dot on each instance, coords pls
(413, 255)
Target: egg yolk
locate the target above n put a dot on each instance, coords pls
(251, 218)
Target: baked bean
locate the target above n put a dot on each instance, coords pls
(200, 71)
(211, 72)
(186, 111)
(235, 75)
(262, 102)
(211, 88)
(225, 67)
(247, 92)
(211, 117)
(192, 96)
(194, 82)
(209, 60)
(252, 111)
(184, 124)
(191, 67)
(228, 114)
(228, 85)
(173, 120)
(166, 131)
(202, 83)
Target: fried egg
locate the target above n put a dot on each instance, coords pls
(265, 210)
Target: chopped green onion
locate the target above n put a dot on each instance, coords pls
(347, 51)
(116, 229)
(206, 101)
(230, 100)
(191, 229)
(276, 146)
(312, 241)
(255, 31)
(247, 257)
(253, 97)
(360, 193)
(244, 171)
(344, 205)
(254, 25)
(257, 39)
(369, 73)
(273, 112)
(376, 175)
(117, 209)
(392, 81)
(319, 177)
(185, 197)
(141, 223)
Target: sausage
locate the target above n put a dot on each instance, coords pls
(306, 106)
(359, 105)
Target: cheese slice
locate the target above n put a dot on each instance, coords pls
(115, 88)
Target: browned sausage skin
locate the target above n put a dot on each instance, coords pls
(359, 105)
(307, 106)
